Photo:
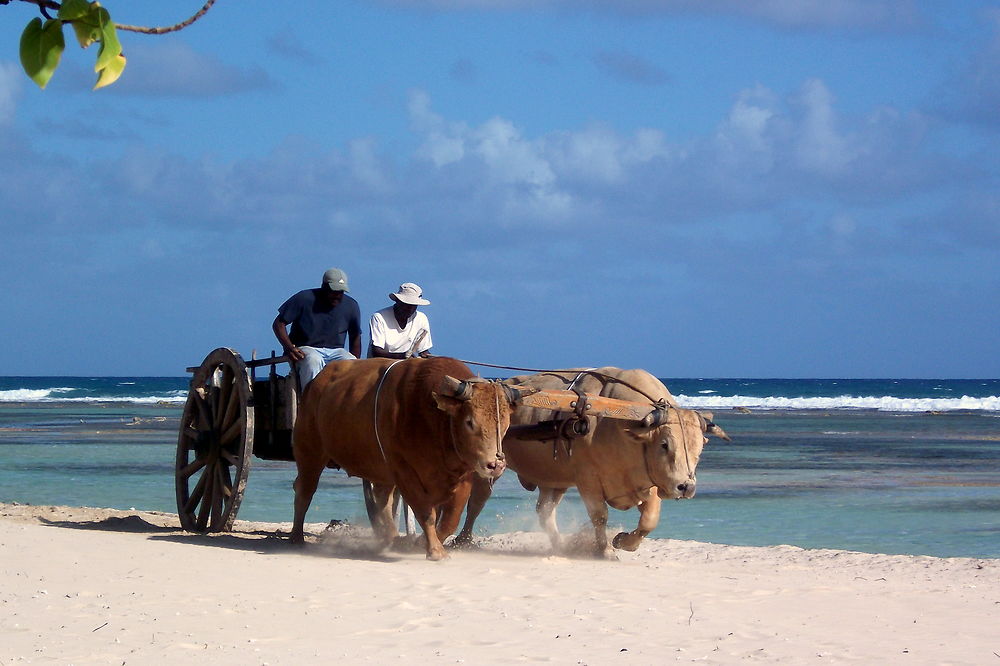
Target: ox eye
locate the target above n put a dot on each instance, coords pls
(665, 445)
(470, 424)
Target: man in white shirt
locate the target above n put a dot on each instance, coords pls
(400, 331)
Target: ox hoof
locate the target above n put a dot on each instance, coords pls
(407, 543)
(623, 541)
(462, 541)
(437, 555)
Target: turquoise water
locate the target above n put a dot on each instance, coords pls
(911, 482)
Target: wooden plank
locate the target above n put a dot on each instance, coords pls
(565, 401)
(257, 363)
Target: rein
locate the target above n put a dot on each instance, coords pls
(378, 390)
(579, 373)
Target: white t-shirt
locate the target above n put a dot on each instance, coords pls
(386, 333)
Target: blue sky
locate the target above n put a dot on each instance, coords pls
(715, 188)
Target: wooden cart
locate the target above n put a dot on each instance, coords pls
(231, 415)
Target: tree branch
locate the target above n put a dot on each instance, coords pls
(162, 30)
(42, 4)
(45, 5)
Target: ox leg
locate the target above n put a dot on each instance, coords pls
(593, 499)
(305, 487)
(450, 512)
(548, 500)
(428, 521)
(480, 492)
(382, 515)
(649, 516)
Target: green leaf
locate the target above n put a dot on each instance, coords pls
(71, 10)
(111, 48)
(87, 27)
(31, 40)
(110, 74)
(41, 48)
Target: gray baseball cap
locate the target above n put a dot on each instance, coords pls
(335, 279)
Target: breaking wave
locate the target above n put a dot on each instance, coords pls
(886, 403)
(65, 394)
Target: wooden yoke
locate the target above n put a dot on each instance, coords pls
(595, 405)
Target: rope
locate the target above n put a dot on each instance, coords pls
(591, 371)
(378, 390)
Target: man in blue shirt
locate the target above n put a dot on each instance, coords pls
(321, 319)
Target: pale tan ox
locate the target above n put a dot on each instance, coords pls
(618, 463)
(433, 424)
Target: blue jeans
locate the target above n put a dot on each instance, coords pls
(316, 359)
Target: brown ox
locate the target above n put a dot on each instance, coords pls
(619, 463)
(419, 425)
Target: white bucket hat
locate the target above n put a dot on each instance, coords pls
(410, 294)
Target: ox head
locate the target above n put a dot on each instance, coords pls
(673, 439)
(479, 414)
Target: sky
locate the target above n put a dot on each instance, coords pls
(699, 188)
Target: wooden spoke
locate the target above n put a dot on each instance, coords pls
(232, 432)
(231, 414)
(196, 495)
(204, 421)
(191, 468)
(227, 481)
(218, 500)
(206, 504)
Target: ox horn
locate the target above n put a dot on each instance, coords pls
(716, 431)
(457, 388)
(711, 428)
(656, 417)
(516, 392)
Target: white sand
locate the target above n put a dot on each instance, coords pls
(94, 586)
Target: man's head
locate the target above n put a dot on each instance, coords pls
(407, 298)
(334, 285)
(409, 294)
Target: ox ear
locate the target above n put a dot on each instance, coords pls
(446, 403)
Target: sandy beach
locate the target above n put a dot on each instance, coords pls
(83, 585)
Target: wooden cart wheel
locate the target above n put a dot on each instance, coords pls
(215, 444)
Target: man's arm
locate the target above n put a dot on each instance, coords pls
(382, 353)
(281, 332)
(356, 343)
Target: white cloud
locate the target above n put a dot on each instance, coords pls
(743, 138)
(172, 68)
(767, 151)
(819, 144)
(12, 80)
(366, 166)
(443, 142)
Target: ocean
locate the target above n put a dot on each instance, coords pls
(899, 466)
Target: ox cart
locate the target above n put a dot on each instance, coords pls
(231, 415)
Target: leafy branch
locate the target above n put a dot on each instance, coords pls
(42, 42)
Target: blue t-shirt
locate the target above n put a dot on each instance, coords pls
(316, 324)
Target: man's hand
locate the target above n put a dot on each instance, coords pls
(295, 353)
